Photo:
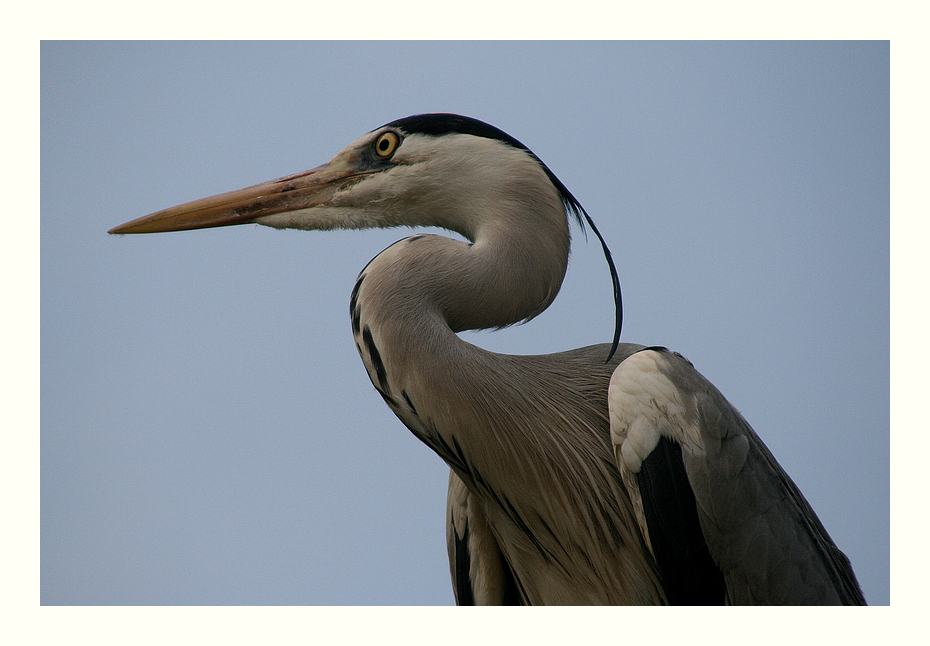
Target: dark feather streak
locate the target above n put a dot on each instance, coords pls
(376, 361)
(354, 308)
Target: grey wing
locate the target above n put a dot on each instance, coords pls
(686, 453)
(480, 574)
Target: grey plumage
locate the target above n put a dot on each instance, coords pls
(762, 534)
(573, 481)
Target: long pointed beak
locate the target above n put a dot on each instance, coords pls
(294, 192)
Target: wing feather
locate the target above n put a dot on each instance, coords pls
(758, 528)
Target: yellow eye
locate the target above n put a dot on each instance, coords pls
(386, 144)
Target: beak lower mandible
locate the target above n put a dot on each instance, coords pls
(304, 190)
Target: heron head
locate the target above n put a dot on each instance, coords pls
(427, 170)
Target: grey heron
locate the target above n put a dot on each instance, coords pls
(609, 474)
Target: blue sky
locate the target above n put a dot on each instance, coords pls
(209, 435)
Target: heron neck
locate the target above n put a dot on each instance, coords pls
(493, 282)
(414, 296)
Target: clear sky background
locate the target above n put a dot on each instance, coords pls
(209, 434)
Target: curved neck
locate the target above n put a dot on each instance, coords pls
(503, 277)
(411, 298)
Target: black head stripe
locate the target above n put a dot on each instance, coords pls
(439, 124)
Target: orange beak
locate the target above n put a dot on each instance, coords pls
(292, 193)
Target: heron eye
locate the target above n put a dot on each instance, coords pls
(386, 144)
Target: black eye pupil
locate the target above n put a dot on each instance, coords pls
(384, 144)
